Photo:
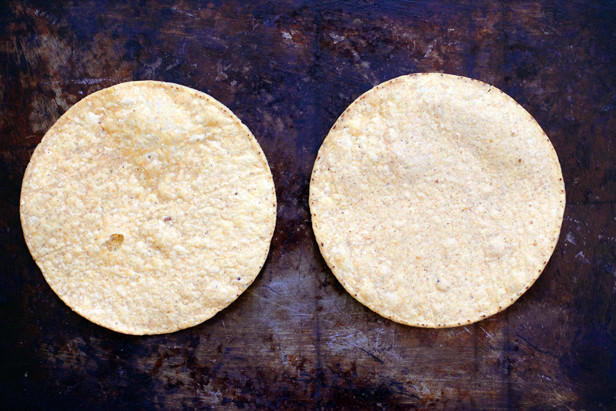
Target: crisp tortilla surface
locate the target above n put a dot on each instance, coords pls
(436, 200)
(149, 207)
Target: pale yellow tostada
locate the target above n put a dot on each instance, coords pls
(436, 200)
(149, 207)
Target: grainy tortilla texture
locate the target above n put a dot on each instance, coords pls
(436, 200)
(149, 207)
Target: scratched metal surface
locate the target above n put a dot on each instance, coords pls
(295, 339)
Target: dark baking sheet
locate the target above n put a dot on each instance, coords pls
(296, 339)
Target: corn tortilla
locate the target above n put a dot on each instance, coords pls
(436, 200)
(148, 207)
